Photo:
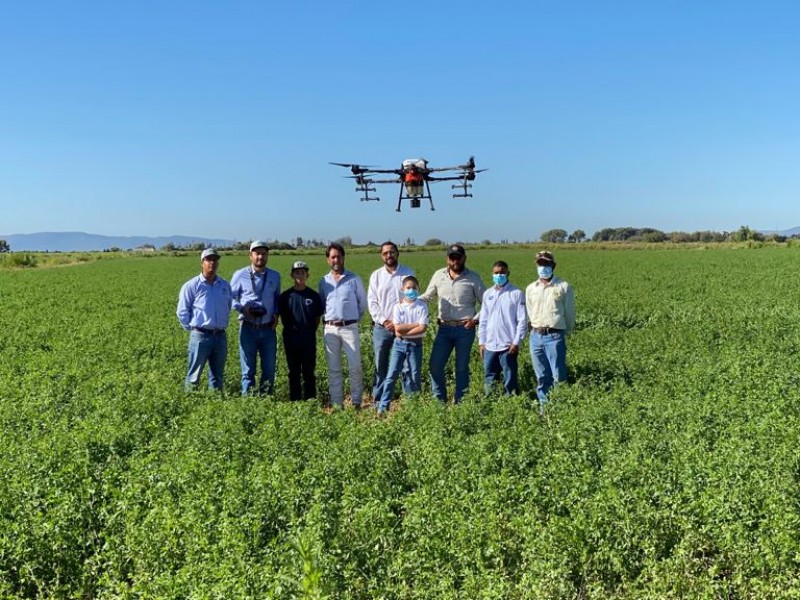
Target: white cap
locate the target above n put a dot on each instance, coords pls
(300, 265)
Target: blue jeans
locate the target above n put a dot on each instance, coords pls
(403, 352)
(549, 358)
(252, 344)
(211, 348)
(382, 342)
(447, 338)
(500, 362)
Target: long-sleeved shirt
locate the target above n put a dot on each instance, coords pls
(204, 305)
(250, 287)
(385, 291)
(459, 297)
(551, 304)
(345, 300)
(503, 321)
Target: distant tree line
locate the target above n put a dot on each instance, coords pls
(650, 235)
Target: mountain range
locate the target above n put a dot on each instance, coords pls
(78, 241)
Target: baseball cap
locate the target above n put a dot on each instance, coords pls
(457, 249)
(545, 256)
(300, 265)
(209, 252)
(259, 244)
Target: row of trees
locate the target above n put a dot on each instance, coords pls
(650, 235)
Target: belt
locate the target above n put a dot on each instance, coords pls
(451, 323)
(341, 323)
(209, 331)
(252, 325)
(546, 330)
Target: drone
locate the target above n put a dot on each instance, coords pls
(414, 177)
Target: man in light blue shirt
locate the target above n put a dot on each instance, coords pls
(345, 300)
(502, 326)
(204, 307)
(255, 297)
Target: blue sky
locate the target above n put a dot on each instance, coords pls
(219, 118)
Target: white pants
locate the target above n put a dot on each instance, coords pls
(337, 340)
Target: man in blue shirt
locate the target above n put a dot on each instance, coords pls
(204, 307)
(345, 301)
(255, 297)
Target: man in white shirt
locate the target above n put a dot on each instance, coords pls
(501, 330)
(383, 294)
(550, 303)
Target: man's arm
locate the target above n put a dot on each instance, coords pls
(361, 297)
(569, 309)
(482, 319)
(522, 319)
(430, 292)
(185, 305)
(373, 302)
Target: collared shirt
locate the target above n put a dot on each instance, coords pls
(551, 304)
(410, 313)
(345, 300)
(457, 297)
(205, 305)
(503, 321)
(385, 291)
(251, 287)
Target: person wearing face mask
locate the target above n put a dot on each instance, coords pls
(550, 302)
(300, 309)
(501, 330)
(459, 291)
(409, 322)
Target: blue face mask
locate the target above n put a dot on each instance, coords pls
(499, 278)
(411, 294)
(545, 272)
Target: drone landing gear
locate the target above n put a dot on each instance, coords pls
(462, 186)
(415, 201)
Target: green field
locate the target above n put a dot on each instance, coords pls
(667, 468)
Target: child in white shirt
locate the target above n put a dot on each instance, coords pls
(410, 318)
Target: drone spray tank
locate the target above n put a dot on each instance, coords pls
(414, 179)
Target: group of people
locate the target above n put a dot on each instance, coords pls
(399, 314)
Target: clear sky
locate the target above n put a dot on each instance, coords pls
(219, 118)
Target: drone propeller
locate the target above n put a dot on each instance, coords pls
(470, 166)
(354, 168)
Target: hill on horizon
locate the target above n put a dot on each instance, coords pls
(79, 241)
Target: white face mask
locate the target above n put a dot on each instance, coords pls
(544, 271)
